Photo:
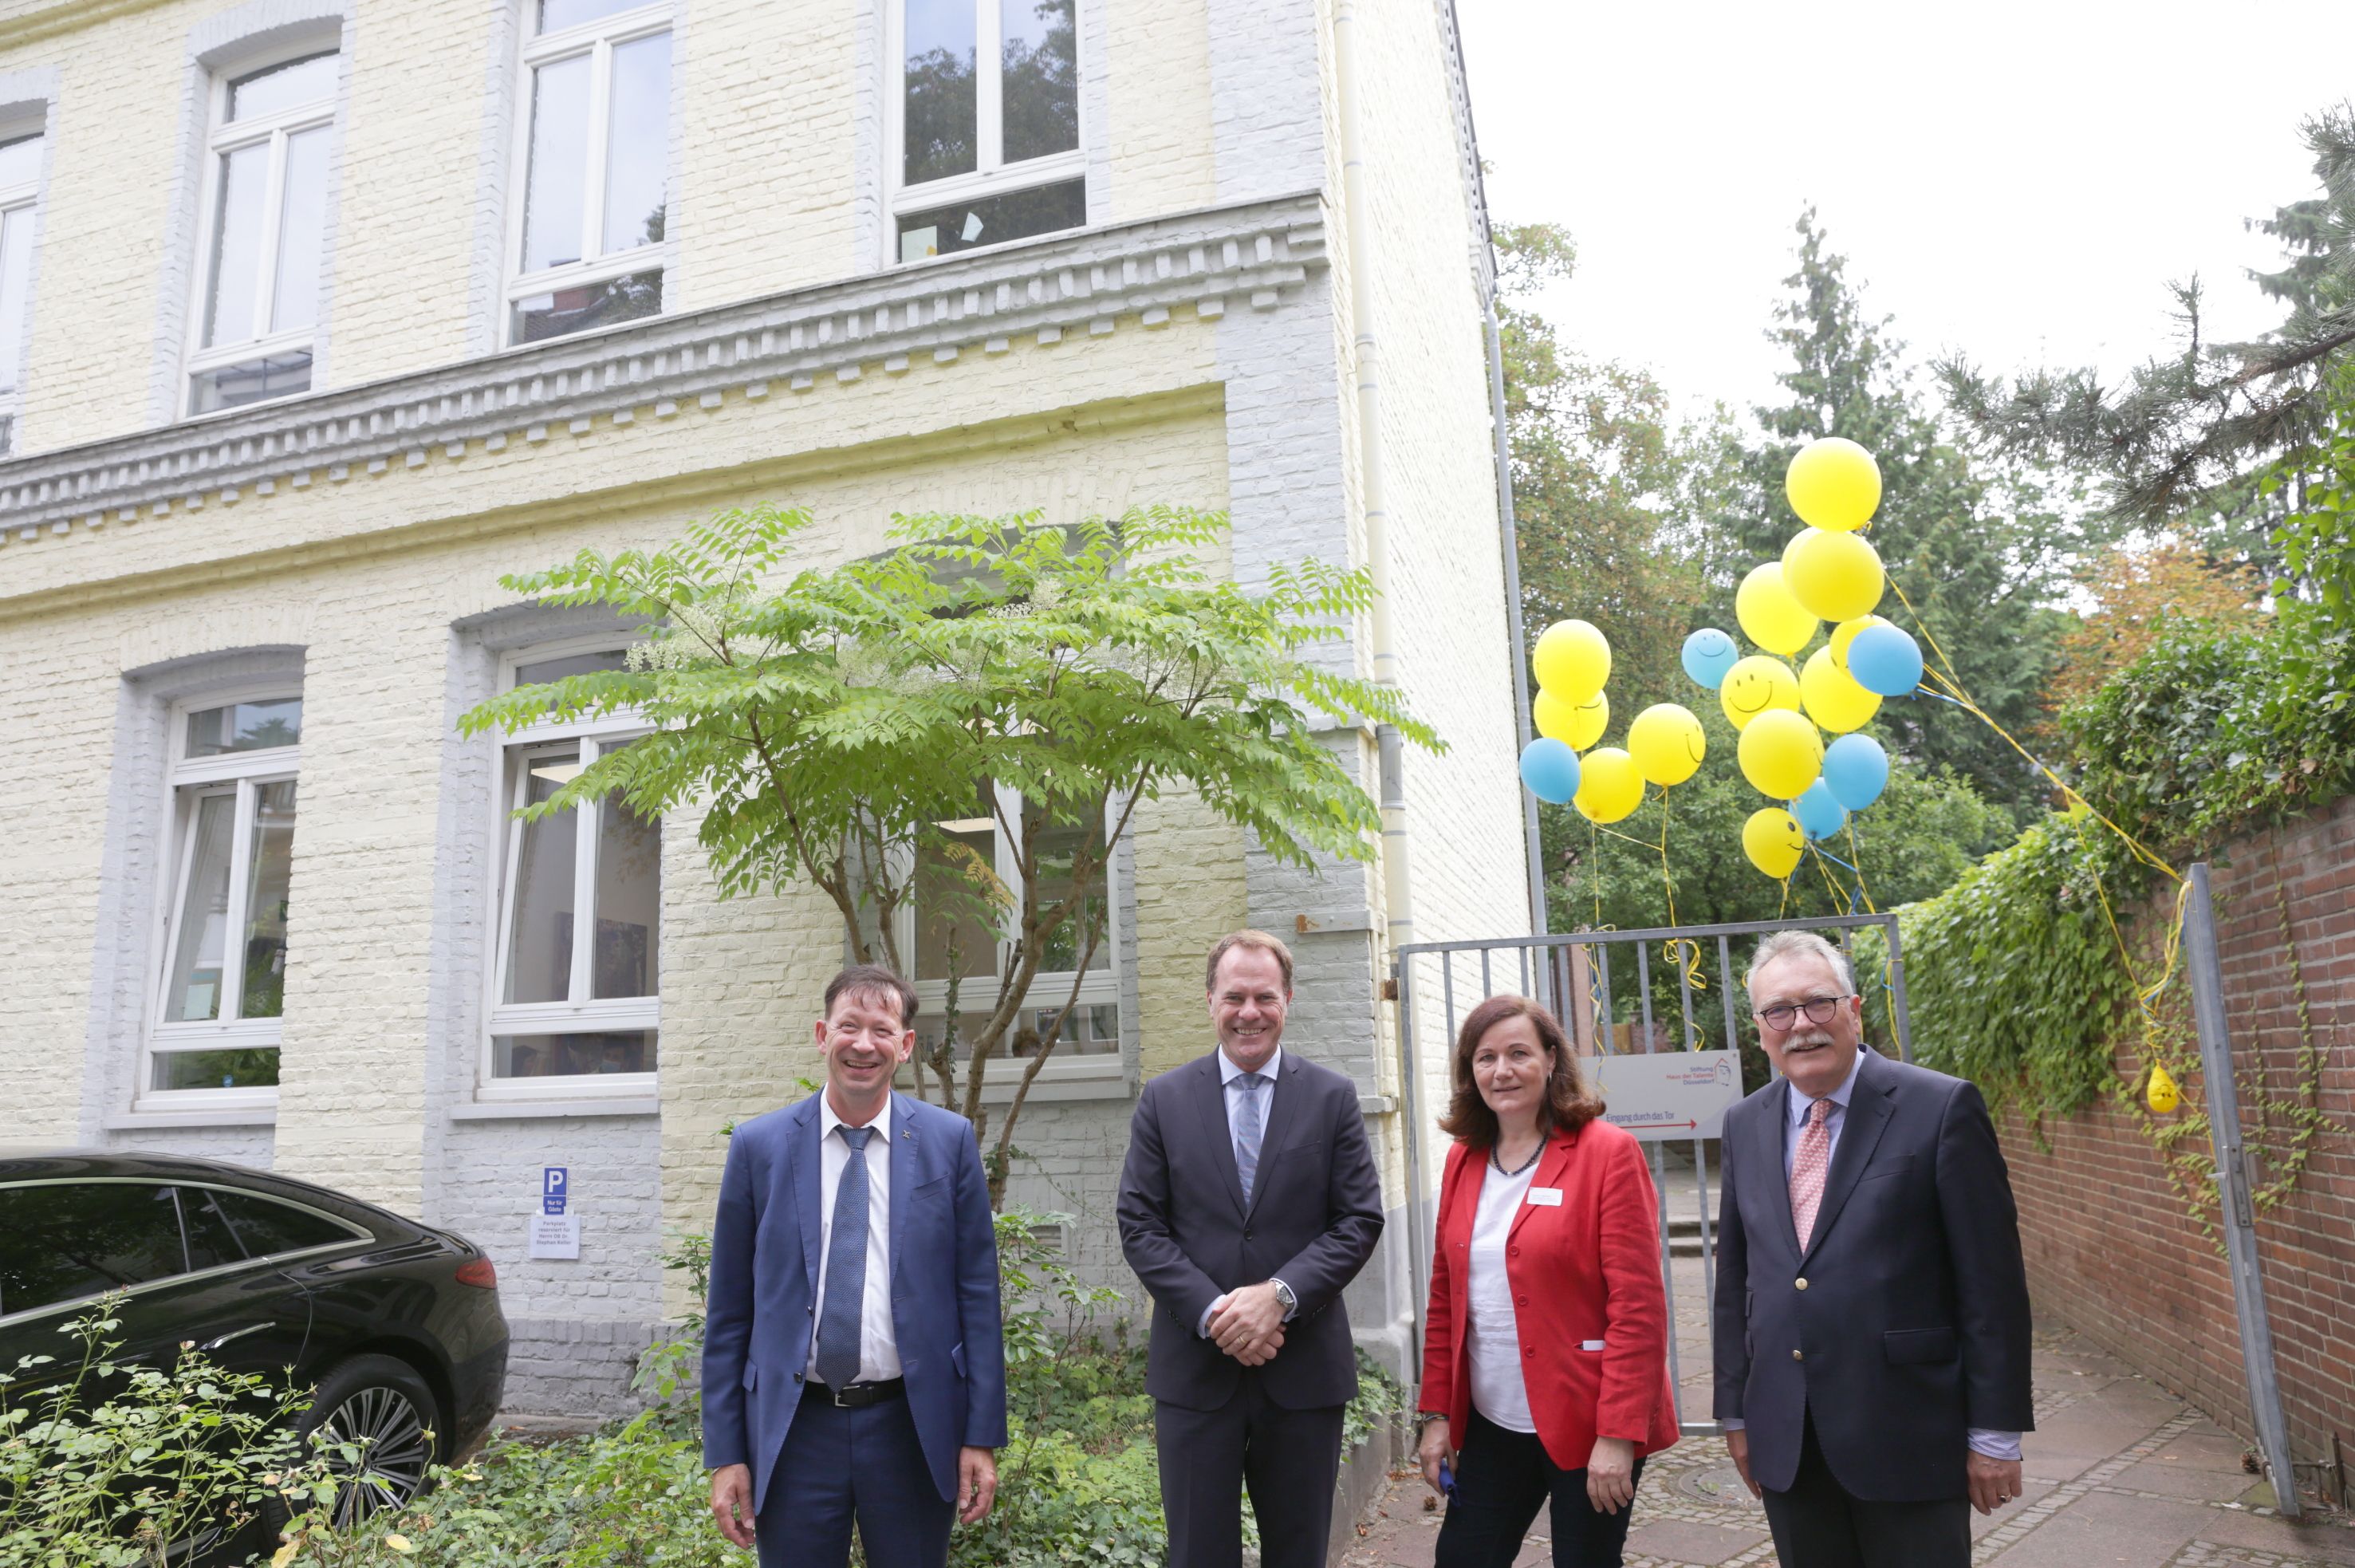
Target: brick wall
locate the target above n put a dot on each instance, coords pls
(2110, 1248)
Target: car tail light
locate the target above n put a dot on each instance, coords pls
(478, 1273)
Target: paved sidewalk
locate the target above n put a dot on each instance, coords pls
(2119, 1474)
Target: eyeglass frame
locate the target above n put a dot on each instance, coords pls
(1807, 1007)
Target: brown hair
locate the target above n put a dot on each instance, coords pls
(1568, 1105)
(1258, 939)
(873, 982)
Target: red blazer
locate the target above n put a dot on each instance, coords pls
(1589, 1269)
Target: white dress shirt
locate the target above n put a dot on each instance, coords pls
(879, 1343)
(1230, 1079)
(1492, 1335)
(1796, 1107)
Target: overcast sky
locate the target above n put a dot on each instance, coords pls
(2014, 181)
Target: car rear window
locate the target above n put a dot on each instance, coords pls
(212, 1241)
(267, 1228)
(68, 1240)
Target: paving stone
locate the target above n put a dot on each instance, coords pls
(1677, 1540)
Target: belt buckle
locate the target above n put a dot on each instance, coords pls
(836, 1394)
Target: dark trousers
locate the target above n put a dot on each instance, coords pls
(1817, 1525)
(839, 1465)
(1289, 1459)
(1502, 1479)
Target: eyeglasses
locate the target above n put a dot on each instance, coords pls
(1819, 1010)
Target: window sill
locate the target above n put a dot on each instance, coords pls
(539, 1110)
(151, 1121)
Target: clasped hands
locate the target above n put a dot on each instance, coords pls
(1248, 1323)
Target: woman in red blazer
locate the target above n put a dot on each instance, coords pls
(1545, 1366)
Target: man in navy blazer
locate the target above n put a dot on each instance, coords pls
(853, 1363)
(1871, 1322)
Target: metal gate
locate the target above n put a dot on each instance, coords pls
(1573, 975)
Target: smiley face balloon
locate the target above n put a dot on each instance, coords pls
(1754, 685)
(1575, 725)
(1708, 655)
(1774, 842)
(1667, 743)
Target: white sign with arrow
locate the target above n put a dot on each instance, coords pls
(1667, 1094)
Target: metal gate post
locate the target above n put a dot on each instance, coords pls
(2233, 1191)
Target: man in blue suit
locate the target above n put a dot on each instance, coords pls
(853, 1364)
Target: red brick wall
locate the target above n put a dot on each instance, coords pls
(2111, 1248)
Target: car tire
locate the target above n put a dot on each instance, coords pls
(382, 1403)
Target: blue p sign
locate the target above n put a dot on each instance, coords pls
(552, 1181)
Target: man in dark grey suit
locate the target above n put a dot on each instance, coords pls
(1249, 1200)
(1871, 1320)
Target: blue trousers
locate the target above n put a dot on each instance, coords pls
(840, 1465)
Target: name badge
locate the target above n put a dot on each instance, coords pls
(1546, 1196)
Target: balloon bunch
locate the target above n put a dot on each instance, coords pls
(1664, 743)
(1829, 573)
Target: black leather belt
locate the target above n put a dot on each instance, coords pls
(857, 1396)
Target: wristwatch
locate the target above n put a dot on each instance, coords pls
(1284, 1294)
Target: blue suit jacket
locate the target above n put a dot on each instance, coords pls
(763, 1307)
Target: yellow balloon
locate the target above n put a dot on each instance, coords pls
(1667, 743)
(1832, 697)
(1845, 633)
(1754, 685)
(1572, 660)
(1609, 787)
(1769, 615)
(1574, 725)
(1836, 576)
(1833, 483)
(1773, 841)
(1781, 754)
(2162, 1096)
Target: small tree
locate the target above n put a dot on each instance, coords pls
(828, 724)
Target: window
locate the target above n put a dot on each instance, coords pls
(20, 189)
(265, 231)
(69, 1239)
(984, 154)
(224, 977)
(263, 1229)
(593, 168)
(576, 984)
(955, 933)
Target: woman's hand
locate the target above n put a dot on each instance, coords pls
(1438, 1445)
(1611, 1475)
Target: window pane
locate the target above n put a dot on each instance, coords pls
(1039, 59)
(253, 381)
(1043, 209)
(561, 311)
(211, 1242)
(237, 244)
(938, 117)
(1057, 849)
(302, 232)
(557, 14)
(78, 1239)
(249, 1067)
(201, 938)
(16, 229)
(552, 203)
(245, 726)
(637, 143)
(627, 958)
(267, 1229)
(20, 161)
(546, 670)
(1092, 1030)
(539, 933)
(573, 1055)
(264, 983)
(956, 889)
(287, 86)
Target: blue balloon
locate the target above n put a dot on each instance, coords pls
(1550, 770)
(1819, 815)
(1709, 654)
(1886, 660)
(1856, 770)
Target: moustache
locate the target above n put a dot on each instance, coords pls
(1812, 1038)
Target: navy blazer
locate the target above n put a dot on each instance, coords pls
(1905, 1322)
(1315, 1214)
(763, 1307)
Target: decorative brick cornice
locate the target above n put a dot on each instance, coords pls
(1249, 253)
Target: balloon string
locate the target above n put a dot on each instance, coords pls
(1857, 857)
(1690, 961)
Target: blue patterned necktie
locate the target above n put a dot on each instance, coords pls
(846, 1268)
(1247, 1131)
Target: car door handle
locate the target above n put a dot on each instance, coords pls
(215, 1343)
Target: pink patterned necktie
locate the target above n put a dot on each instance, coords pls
(1809, 1167)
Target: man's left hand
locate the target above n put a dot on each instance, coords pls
(1250, 1318)
(977, 1483)
(1993, 1482)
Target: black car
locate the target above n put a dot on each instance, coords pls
(396, 1325)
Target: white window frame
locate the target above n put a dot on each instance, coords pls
(25, 197)
(992, 176)
(189, 780)
(1049, 989)
(598, 36)
(589, 735)
(220, 139)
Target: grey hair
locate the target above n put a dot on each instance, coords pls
(1783, 944)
